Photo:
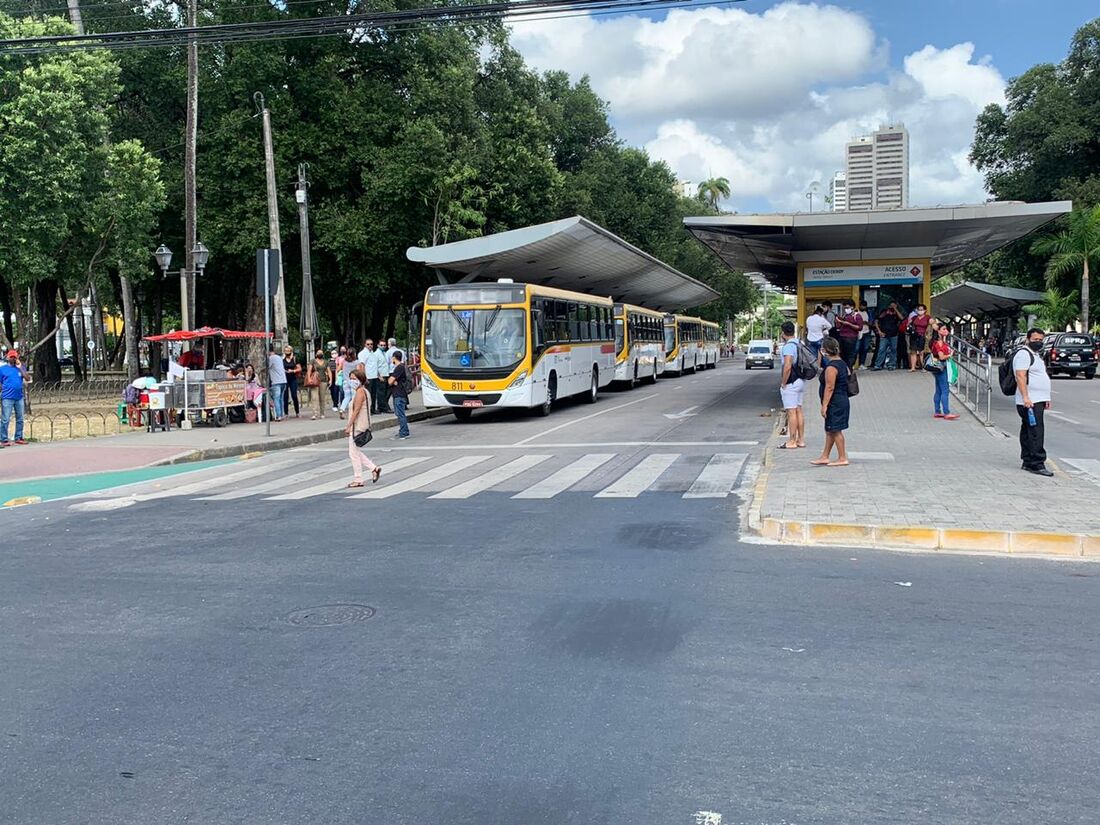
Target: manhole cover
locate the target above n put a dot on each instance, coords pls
(327, 615)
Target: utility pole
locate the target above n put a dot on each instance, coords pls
(308, 319)
(187, 283)
(74, 15)
(281, 336)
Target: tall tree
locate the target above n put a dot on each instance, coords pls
(1073, 251)
(713, 190)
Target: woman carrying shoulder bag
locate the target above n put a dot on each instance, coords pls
(358, 429)
(317, 380)
(940, 355)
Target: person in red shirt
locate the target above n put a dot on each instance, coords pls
(941, 351)
(192, 359)
(918, 331)
(847, 327)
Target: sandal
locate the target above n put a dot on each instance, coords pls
(355, 484)
(374, 476)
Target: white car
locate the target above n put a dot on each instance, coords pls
(760, 353)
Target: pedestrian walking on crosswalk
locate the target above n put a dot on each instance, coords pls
(359, 430)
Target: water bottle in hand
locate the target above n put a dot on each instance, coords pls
(1031, 417)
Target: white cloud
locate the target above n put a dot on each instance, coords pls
(768, 100)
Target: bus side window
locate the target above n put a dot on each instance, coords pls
(538, 339)
(609, 324)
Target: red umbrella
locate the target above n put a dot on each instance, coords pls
(207, 332)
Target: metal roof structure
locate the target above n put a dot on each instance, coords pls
(982, 300)
(574, 254)
(949, 236)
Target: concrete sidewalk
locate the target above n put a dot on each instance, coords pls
(920, 482)
(139, 448)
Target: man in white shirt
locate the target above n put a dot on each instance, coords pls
(1032, 400)
(370, 358)
(384, 369)
(817, 325)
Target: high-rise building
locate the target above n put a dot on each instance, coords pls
(838, 192)
(878, 170)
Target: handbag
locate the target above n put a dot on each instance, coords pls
(361, 439)
(933, 364)
(853, 383)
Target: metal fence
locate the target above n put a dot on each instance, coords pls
(976, 377)
(65, 426)
(59, 392)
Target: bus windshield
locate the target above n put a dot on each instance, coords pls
(670, 339)
(473, 338)
(620, 335)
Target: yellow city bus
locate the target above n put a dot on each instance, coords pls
(505, 344)
(639, 344)
(690, 343)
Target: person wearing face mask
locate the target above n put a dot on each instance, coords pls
(918, 330)
(848, 326)
(1032, 400)
(942, 352)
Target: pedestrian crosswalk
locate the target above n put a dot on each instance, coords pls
(533, 477)
(1087, 468)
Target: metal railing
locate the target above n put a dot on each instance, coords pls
(976, 377)
(58, 392)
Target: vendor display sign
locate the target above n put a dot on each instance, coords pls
(223, 394)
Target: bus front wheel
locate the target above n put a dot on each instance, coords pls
(551, 394)
(462, 413)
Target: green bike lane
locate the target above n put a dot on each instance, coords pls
(34, 490)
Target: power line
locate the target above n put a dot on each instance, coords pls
(287, 28)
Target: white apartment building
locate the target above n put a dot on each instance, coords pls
(838, 192)
(878, 170)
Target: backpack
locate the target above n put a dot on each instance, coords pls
(804, 365)
(1006, 376)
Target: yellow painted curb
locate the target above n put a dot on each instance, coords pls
(1052, 544)
(985, 541)
(247, 456)
(21, 500)
(839, 533)
(1090, 546)
(927, 538)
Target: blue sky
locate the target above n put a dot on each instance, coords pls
(767, 92)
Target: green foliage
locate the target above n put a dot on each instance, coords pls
(1071, 253)
(713, 190)
(1057, 311)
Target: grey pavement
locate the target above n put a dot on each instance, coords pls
(575, 659)
(910, 469)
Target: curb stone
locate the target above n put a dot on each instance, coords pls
(276, 443)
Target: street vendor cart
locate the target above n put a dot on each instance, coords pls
(213, 396)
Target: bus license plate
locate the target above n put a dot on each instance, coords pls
(473, 402)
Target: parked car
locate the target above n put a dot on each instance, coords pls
(1071, 353)
(760, 353)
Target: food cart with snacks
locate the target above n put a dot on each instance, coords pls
(207, 396)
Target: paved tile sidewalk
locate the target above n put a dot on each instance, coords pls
(139, 448)
(927, 472)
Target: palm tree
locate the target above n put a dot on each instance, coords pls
(1072, 250)
(1057, 311)
(713, 189)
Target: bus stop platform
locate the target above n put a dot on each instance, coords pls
(916, 482)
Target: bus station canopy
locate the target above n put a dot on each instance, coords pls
(573, 254)
(950, 236)
(983, 301)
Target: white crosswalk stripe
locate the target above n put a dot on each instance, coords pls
(280, 482)
(427, 477)
(342, 483)
(566, 477)
(718, 477)
(210, 482)
(640, 478)
(493, 477)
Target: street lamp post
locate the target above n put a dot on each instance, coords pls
(164, 259)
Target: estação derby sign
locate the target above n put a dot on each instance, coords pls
(896, 273)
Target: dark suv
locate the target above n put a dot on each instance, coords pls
(1071, 353)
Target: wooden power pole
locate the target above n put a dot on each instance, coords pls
(281, 336)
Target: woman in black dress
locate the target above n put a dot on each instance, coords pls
(834, 403)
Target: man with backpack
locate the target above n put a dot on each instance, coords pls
(400, 385)
(798, 367)
(1028, 373)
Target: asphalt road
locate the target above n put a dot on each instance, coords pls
(1072, 423)
(577, 658)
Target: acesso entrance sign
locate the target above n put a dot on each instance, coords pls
(892, 273)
